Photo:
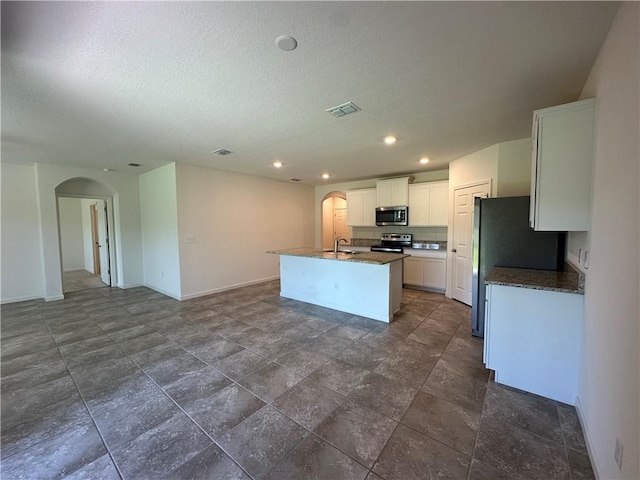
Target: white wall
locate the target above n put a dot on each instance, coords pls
(126, 211)
(21, 253)
(473, 168)
(159, 225)
(72, 246)
(514, 168)
(234, 219)
(609, 399)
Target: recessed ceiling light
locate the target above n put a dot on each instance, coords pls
(325, 175)
(424, 160)
(277, 164)
(286, 43)
(390, 140)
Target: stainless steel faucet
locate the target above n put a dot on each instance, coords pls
(336, 244)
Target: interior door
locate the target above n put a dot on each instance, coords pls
(340, 224)
(462, 254)
(103, 240)
(95, 238)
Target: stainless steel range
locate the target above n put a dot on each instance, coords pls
(393, 242)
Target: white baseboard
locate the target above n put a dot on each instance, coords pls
(25, 298)
(164, 292)
(587, 439)
(131, 285)
(54, 298)
(225, 288)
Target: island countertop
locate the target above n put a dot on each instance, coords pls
(376, 258)
(567, 281)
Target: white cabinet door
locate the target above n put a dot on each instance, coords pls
(393, 192)
(438, 204)
(435, 273)
(413, 271)
(419, 204)
(427, 272)
(369, 207)
(361, 208)
(561, 167)
(429, 204)
(354, 208)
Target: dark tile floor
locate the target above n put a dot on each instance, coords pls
(131, 384)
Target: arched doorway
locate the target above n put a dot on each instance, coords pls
(334, 218)
(85, 227)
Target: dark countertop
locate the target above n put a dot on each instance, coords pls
(377, 258)
(566, 281)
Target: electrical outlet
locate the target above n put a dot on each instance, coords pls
(617, 454)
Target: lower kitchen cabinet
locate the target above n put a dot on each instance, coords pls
(427, 273)
(533, 338)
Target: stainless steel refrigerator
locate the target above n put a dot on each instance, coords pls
(502, 238)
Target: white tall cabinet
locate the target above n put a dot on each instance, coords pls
(429, 204)
(562, 157)
(361, 207)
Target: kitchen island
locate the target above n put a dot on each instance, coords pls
(368, 284)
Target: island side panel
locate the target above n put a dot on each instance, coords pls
(395, 285)
(358, 288)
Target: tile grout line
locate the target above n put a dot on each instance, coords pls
(86, 406)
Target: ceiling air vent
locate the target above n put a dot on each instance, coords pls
(134, 164)
(295, 179)
(344, 109)
(222, 152)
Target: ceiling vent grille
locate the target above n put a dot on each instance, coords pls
(344, 109)
(134, 164)
(222, 152)
(295, 179)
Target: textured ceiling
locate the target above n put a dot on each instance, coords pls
(102, 84)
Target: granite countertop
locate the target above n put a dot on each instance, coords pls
(568, 281)
(377, 258)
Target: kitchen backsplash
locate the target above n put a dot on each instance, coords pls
(435, 234)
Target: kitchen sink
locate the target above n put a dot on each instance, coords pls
(343, 252)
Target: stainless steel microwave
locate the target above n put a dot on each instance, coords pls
(392, 216)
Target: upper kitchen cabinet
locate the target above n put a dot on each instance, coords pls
(361, 207)
(562, 160)
(428, 204)
(393, 192)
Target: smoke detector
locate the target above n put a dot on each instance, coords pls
(222, 152)
(344, 109)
